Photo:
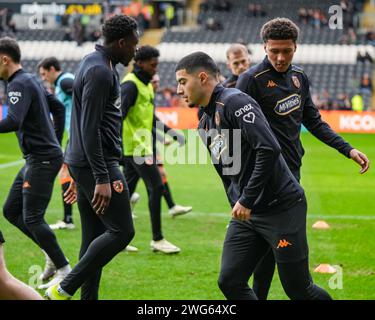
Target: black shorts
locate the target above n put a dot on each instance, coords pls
(285, 232)
(38, 177)
(1, 238)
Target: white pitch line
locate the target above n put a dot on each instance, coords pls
(313, 216)
(11, 164)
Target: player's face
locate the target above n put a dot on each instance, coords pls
(127, 47)
(4, 62)
(46, 75)
(238, 62)
(189, 88)
(155, 82)
(280, 53)
(150, 66)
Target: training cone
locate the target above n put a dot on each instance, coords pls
(325, 268)
(321, 225)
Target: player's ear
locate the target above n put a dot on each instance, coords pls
(4, 60)
(203, 76)
(295, 47)
(121, 42)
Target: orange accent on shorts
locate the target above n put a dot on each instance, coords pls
(283, 243)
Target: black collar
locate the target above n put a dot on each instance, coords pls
(57, 79)
(105, 52)
(141, 74)
(210, 108)
(230, 81)
(268, 65)
(14, 74)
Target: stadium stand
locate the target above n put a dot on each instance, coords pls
(334, 60)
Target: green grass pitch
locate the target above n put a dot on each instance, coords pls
(336, 193)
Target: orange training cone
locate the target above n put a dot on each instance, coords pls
(325, 268)
(321, 225)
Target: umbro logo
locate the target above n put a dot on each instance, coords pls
(283, 243)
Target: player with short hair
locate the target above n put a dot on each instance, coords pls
(282, 91)
(138, 139)
(39, 138)
(174, 209)
(50, 71)
(268, 204)
(93, 155)
(238, 61)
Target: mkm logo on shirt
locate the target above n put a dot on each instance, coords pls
(288, 104)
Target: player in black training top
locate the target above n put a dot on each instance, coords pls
(282, 91)
(238, 61)
(50, 71)
(93, 155)
(268, 204)
(30, 106)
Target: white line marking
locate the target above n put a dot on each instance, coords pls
(312, 216)
(11, 164)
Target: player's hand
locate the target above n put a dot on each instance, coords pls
(102, 197)
(240, 212)
(361, 159)
(70, 195)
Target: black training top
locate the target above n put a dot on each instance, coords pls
(286, 102)
(231, 81)
(96, 116)
(250, 164)
(30, 106)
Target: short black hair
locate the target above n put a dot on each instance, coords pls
(279, 29)
(145, 53)
(198, 60)
(10, 47)
(49, 62)
(118, 27)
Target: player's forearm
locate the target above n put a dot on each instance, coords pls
(58, 113)
(324, 133)
(264, 166)
(94, 153)
(59, 124)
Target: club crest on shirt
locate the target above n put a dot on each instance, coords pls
(296, 82)
(218, 146)
(118, 186)
(288, 104)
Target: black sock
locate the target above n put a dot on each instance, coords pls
(168, 196)
(68, 218)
